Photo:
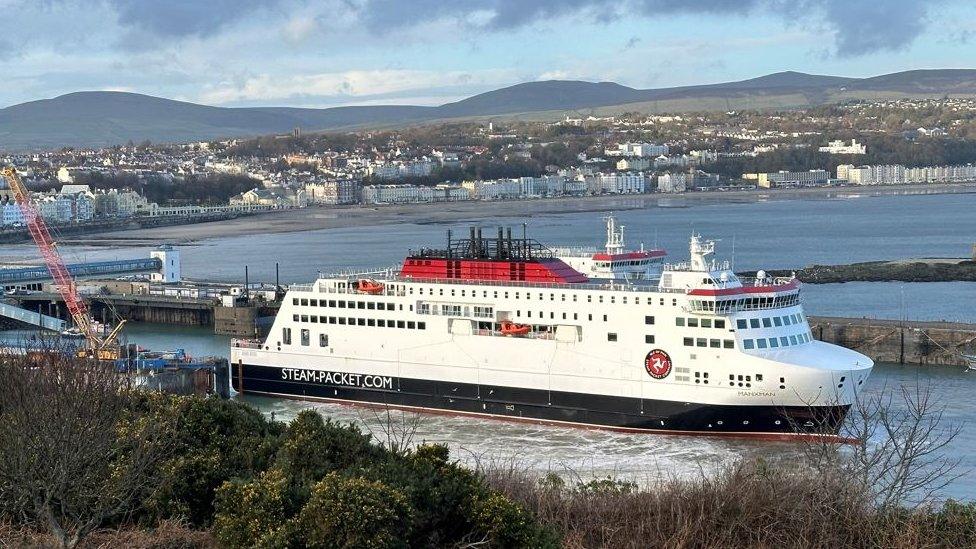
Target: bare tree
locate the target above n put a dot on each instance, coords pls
(899, 451)
(72, 455)
(394, 429)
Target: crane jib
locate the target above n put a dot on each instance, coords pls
(63, 281)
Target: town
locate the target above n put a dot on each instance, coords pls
(898, 142)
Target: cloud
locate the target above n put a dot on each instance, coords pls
(859, 26)
(866, 27)
(181, 18)
(355, 87)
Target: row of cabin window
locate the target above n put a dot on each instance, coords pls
(377, 305)
(774, 343)
(696, 322)
(528, 296)
(712, 343)
(769, 322)
(374, 322)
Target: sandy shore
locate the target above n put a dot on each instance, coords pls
(353, 216)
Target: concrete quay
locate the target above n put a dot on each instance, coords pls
(900, 342)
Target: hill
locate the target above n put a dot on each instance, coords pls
(105, 118)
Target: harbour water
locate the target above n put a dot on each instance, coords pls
(595, 453)
(758, 234)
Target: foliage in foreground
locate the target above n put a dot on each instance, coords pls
(82, 453)
(749, 504)
(87, 462)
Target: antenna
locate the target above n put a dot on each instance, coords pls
(733, 252)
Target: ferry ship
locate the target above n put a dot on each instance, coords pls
(505, 327)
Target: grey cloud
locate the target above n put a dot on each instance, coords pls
(181, 18)
(865, 27)
(859, 26)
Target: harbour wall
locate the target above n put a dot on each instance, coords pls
(900, 342)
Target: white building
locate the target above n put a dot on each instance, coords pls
(634, 164)
(396, 194)
(399, 170)
(811, 178)
(616, 183)
(341, 191)
(888, 174)
(672, 183)
(11, 214)
(170, 258)
(637, 149)
(842, 147)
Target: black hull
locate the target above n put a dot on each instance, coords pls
(533, 405)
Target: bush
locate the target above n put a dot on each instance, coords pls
(313, 447)
(508, 524)
(353, 513)
(254, 513)
(441, 493)
(216, 440)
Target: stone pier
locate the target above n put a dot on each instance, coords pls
(900, 342)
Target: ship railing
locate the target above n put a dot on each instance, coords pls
(246, 343)
(621, 286)
(574, 251)
(767, 281)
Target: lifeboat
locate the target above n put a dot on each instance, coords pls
(513, 329)
(369, 286)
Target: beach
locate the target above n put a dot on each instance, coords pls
(318, 217)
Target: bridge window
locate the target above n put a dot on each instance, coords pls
(761, 343)
(706, 323)
(741, 324)
(719, 323)
(767, 323)
(753, 322)
(692, 322)
(679, 321)
(747, 344)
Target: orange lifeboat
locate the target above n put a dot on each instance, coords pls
(369, 286)
(512, 329)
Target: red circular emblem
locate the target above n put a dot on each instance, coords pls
(658, 364)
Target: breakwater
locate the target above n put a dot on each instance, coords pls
(900, 342)
(908, 270)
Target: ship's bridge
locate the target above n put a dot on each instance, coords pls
(713, 288)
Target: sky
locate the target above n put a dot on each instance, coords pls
(428, 52)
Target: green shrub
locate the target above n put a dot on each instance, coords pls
(505, 523)
(353, 513)
(313, 447)
(254, 513)
(216, 440)
(440, 492)
(606, 485)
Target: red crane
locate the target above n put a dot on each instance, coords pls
(106, 348)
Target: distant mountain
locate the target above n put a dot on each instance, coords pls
(105, 118)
